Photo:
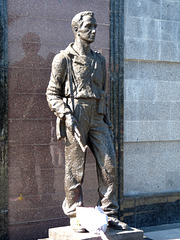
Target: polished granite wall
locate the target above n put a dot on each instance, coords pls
(37, 30)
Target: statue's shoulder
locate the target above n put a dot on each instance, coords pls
(59, 59)
(99, 56)
(60, 56)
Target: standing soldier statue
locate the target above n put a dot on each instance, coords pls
(77, 94)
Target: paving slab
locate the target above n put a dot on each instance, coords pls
(163, 232)
(173, 234)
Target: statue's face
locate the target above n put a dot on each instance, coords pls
(87, 31)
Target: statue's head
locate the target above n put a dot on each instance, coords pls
(84, 26)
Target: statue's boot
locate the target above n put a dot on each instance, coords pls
(117, 224)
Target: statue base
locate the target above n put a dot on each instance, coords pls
(66, 233)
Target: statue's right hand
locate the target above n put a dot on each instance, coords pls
(71, 122)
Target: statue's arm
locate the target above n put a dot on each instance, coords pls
(106, 116)
(55, 89)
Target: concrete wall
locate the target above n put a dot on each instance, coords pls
(37, 30)
(152, 97)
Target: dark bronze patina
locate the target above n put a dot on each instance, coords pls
(77, 94)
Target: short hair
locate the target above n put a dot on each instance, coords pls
(77, 20)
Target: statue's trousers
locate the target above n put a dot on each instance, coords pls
(97, 136)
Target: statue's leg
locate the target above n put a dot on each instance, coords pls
(102, 146)
(74, 165)
(74, 174)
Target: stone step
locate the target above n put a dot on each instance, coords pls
(66, 233)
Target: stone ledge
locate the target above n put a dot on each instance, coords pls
(44, 239)
(66, 233)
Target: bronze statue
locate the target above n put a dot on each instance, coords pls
(77, 94)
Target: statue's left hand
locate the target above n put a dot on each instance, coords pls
(71, 122)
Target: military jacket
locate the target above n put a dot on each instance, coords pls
(88, 79)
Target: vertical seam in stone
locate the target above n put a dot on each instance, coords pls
(117, 83)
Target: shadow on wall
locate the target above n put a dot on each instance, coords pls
(36, 159)
(38, 67)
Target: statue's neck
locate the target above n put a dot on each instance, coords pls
(82, 47)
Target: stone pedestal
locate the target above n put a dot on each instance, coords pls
(66, 233)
